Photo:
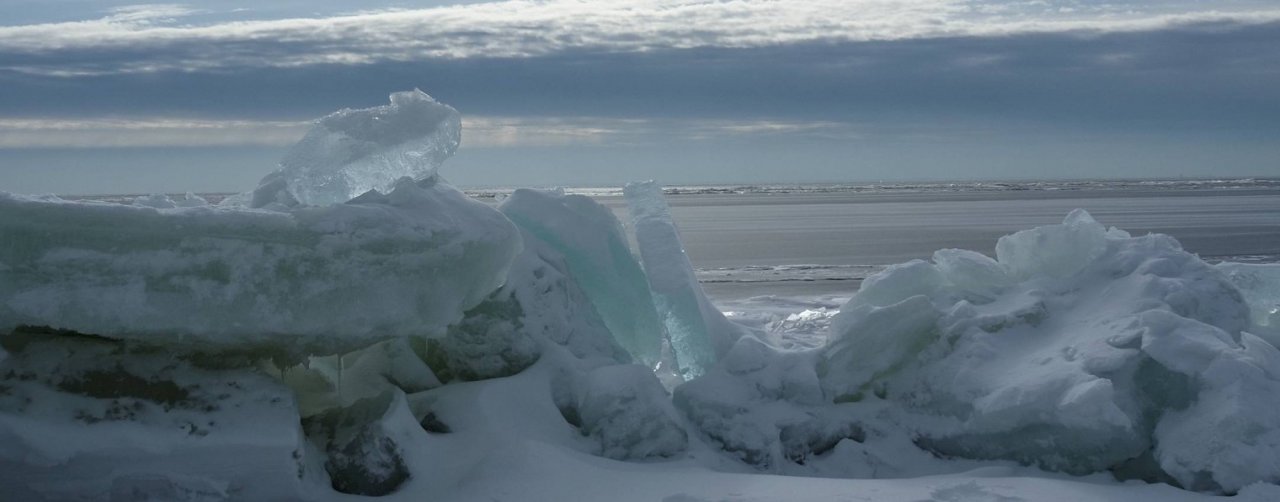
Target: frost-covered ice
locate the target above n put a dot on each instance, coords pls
(1126, 353)
(405, 263)
(353, 151)
(698, 331)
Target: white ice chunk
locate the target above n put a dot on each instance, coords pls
(1055, 250)
(698, 331)
(1260, 285)
(351, 152)
(972, 271)
(590, 242)
(899, 282)
(337, 277)
(896, 331)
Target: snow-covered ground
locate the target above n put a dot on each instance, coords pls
(358, 328)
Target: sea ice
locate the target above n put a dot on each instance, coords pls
(307, 281)
(1260, 285)
(589, 241)
(698, 331)
(1096, 351)
(539, 303)
(350, 152)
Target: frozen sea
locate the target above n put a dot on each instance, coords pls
(818, 240)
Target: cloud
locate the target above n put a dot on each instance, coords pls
(1216, 78)
(151, 38)
(480, 132)
(147, 132)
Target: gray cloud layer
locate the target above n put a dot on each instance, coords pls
(153, 38)
(1208, 77)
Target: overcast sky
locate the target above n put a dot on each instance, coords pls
(103, 96)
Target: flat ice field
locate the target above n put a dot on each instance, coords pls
(357, 328)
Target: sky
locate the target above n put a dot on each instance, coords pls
(107, 96)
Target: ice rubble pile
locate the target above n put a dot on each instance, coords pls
(1078, 349)
(353, 323)
(305, 311)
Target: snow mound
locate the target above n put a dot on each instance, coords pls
(350, 152)
(1079, 349)
(310, 280)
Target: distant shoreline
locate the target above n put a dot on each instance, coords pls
(1262, 184)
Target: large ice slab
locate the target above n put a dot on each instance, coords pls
(1081, 349)
(332, 278)
(350, 152)
(698, 331)
(588, 239)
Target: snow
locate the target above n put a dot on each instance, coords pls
(305, 280)
(94, 419)
(350, 152)
(625, 409)
(699, 332)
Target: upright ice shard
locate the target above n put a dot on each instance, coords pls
(594, 248)
(699, 332)
(350, 152)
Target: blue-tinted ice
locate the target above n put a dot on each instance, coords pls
(697, 329)
(350, 152)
